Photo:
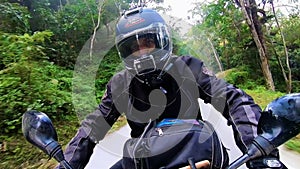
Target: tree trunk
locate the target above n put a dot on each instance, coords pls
(216, 56)
(288, 79)
(249, 9)
(95, 30)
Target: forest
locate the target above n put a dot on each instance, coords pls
(56, 56)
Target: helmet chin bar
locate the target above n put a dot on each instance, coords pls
(144, 65)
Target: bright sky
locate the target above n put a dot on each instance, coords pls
(180, 8)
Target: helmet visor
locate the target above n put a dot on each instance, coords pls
(133, 44)
(152, 37)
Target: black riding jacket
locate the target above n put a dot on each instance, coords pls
(174, 96)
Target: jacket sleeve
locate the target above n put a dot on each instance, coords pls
(93, 129)
(235, 105)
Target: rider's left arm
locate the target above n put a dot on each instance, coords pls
(236, 106)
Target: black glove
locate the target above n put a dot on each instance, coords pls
(79, 150)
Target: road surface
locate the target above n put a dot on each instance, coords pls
(109, 151)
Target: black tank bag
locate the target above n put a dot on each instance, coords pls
(171, 143)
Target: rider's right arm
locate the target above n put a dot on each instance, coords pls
(93, 129)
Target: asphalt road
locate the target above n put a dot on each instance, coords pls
(109, 151)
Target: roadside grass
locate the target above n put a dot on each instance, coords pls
(294, 144)
(263, 97)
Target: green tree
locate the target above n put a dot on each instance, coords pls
(223, 24)
(14, 18)
(291, 33)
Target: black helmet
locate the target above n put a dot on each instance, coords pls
(143, 23)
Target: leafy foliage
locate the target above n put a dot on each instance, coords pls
(241, 77)
(89, 82)
(223, 23)
(14, 18)
(29, 81)
(16, 48)
(292, 35)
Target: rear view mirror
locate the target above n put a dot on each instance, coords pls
(39, 131)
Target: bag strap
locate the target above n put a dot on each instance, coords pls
(217, 149)
(137, 161)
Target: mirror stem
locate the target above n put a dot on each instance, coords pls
(55, 151)
(240, 161)
(66, 164)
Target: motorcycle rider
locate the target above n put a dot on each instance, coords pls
(157, 85)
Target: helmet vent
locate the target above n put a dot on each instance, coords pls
(133, 11)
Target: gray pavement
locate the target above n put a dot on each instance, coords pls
(109, 151)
